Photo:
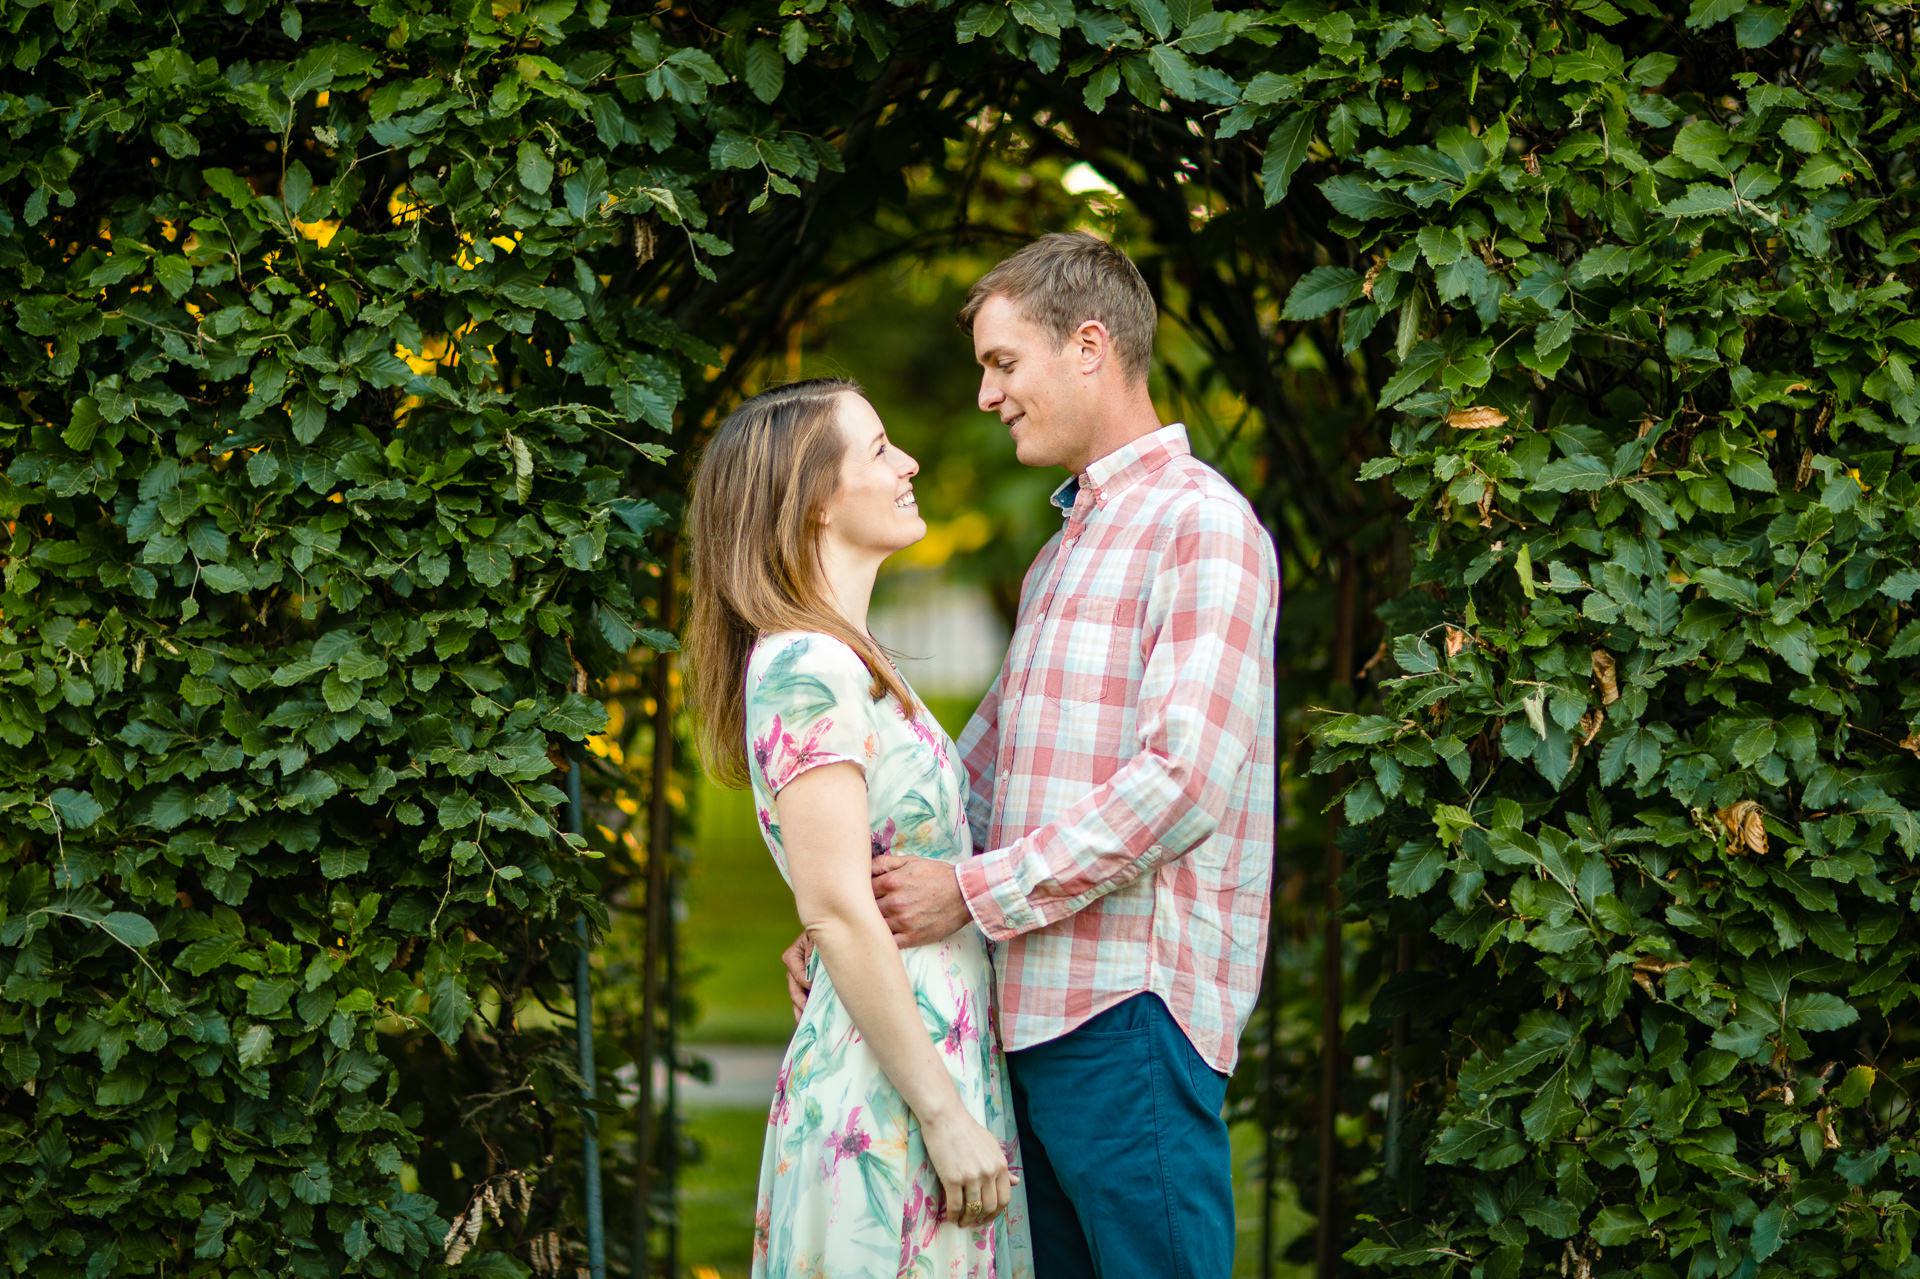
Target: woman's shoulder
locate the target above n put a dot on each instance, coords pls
(816, 653)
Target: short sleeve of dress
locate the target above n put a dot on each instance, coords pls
(810, 706)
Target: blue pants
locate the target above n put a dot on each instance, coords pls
(1126, 1165)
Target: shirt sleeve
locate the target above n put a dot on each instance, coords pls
(979, 747)
(1211, 608)
(810, 707)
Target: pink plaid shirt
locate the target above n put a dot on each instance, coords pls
(1122, 762)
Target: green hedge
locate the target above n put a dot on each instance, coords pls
(329, 424)
(1645, 768)
(317, 523)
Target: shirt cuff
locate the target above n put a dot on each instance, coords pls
(993, 899)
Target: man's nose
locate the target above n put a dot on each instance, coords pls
(990, 395)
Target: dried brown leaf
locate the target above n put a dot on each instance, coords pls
(1746, 827)
(1911, 742)
(1456, 641)
(1478, 418)
(1606, 675)
(1589, 725)
(1373, 273)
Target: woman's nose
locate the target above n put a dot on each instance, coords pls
(908, 466)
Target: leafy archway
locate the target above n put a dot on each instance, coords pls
(352, 355)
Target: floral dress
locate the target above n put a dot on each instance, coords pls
(846, 1188)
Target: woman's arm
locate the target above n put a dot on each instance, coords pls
(823, 823)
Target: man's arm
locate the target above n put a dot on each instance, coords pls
(1210, 609)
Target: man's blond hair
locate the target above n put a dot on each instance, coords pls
(1062, 280)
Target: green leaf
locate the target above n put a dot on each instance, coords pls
(341, 861)
(1174, 71)
(577, 716)
(1321, 290)
(308, 417)
(77, 809)
(766, 73)
(1617, 1226)
(252, 1046)
(1758, 26)
(121, 1088)
(1357, 198)
(1602, 262)
(1754, 745)
(224, 578)
(1706, 13)
(448, 1009)
(1820, 1011)
(1802, 133)
(1701, 199)
(1768, 1227)
(1582, 473)
(130, 929)
(533, 167)
(1425, 360)
(173, 274)
(1286, 149)
(1552, 1113)
(313, 1184)
(1415, 868)
(210, 1235)
(1750, 471)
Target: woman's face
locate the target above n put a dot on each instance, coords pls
(873, 512)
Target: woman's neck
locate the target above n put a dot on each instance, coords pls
(850, 579)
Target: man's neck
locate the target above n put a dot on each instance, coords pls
(1135, 419)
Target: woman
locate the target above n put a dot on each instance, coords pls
(890, 1145)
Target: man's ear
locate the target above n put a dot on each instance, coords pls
(1092, 346)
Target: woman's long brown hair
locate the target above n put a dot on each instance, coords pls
(761, 489)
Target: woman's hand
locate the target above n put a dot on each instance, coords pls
(971, 1166)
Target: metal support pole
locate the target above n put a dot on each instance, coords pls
(583, 1031)
(1329, 1229)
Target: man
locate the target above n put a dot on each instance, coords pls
(1121, 772)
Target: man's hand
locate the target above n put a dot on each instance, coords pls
(795, 958)
(919, 898)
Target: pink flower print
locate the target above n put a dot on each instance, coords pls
(883, 839)
(763, 746)
(850, 1142)
(780, 759)
(961, 1030)
(766, 821)
(781, 1083)
(919, 1223)
(762, 1226)
(929, 736)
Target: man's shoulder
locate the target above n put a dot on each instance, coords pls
(1189, 491)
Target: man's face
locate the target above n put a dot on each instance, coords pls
(1033, 383)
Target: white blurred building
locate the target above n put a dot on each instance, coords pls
(944, 634)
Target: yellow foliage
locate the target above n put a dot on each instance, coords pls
(401, 207)
(963, 534)
(321, 232)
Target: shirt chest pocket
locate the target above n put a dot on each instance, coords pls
(1093, 639)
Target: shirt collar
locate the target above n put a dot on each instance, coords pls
(1134, 460)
